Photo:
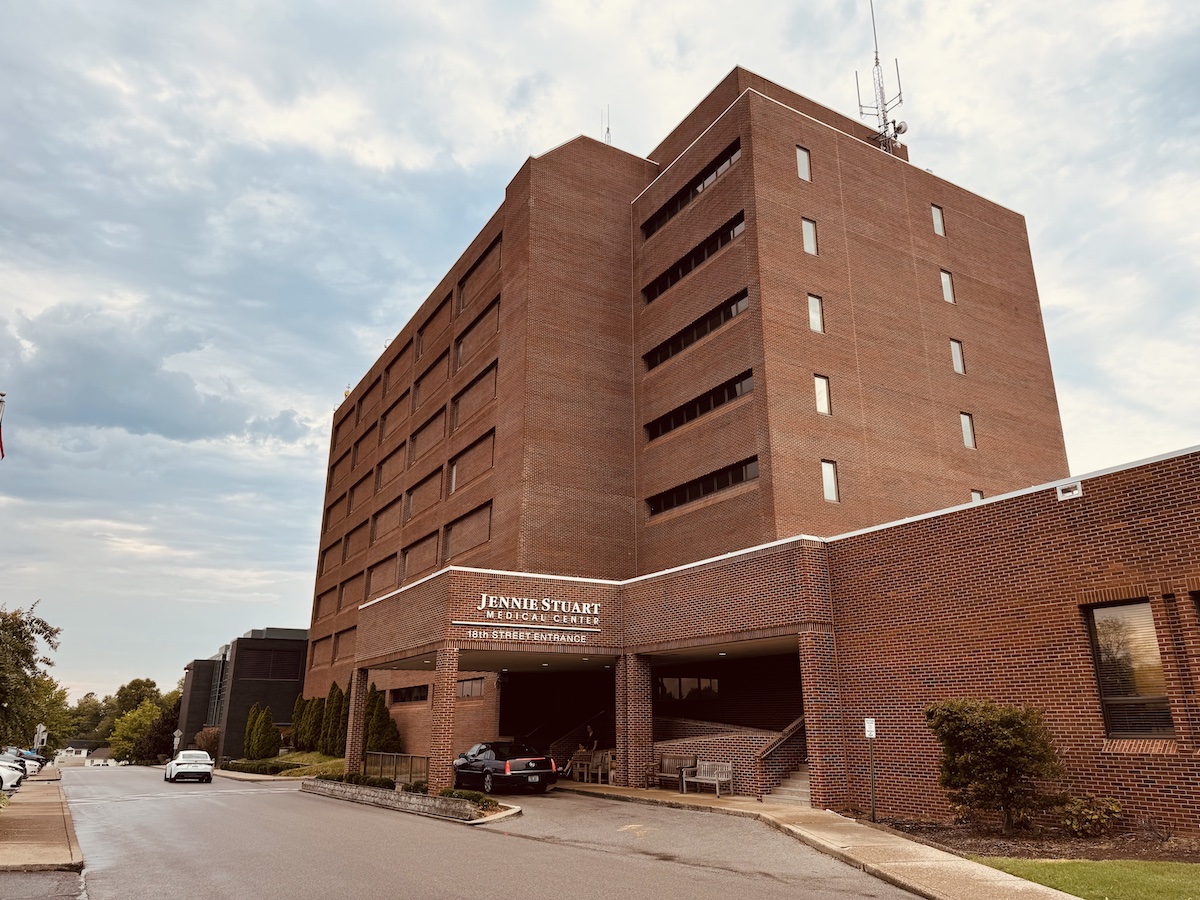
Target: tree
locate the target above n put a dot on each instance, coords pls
(266, 736)
(131, 695)
(22, 632)
(250, 735)
(86, 715)
(297, 718)
(382, 734)
(329, 721)
(208, 740)
(313, 717)
(133, 727)
(993, 757)
(160, 739)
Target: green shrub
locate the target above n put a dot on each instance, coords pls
(994, 756)
(250, 735)
(1090, 816)
(482, 801)
(417, 787)
(260, 766)
(364, 780)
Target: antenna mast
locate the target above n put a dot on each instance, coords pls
(888, 131)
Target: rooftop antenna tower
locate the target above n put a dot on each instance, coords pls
(606, 122)
(888, 130)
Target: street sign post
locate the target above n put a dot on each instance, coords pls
(177, 734)
(869, 730)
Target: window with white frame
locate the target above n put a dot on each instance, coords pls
(956, 357)
(947, 286)
(816, 313)
(829, 480)
(809, 228)
(939, 222)
(821, 386)
(968, 429)
(803, 163)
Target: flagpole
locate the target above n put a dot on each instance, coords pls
(2, 396)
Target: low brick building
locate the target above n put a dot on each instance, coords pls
(569, 492)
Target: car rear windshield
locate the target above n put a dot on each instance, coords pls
(514, 751)
(194, 756)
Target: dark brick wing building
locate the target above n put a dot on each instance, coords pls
(630, 466)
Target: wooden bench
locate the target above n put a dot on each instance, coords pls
(581, 765)
(706, 772)
(600, 766)
(669, 769)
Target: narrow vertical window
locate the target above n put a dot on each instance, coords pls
(968, 429)
(956, 357)
(939, 223)
(803, 163)
(1133, 687)
(976, 496)
(829, 480)
(810, 236)
(947, 287)
(816, 313)
(821, 384)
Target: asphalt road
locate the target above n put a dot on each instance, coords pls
(143, 838)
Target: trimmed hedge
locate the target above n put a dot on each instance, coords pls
(482, 801)
(364, 780)
(260, 766)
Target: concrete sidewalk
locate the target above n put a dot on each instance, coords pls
(36, 833)
(923, 870)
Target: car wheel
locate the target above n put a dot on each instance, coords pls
(487, 782)
(172, 780)
(208, 779)
(165, 778)
(454, 780)
(542, 788)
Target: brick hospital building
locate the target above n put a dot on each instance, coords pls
(726, 449)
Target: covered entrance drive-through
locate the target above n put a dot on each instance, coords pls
(737, 703)
(653, 664)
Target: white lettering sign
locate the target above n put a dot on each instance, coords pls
(535, 619)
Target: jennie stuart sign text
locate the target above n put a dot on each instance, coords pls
(543, 619)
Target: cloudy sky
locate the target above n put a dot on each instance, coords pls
(213, 215)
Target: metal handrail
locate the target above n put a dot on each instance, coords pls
(784, 735)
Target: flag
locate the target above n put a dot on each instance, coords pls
(1, 425)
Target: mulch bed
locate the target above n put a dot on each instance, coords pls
(1046, 843)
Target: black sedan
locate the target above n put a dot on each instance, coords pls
(504, 764)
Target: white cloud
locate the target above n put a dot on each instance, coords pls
(212, 217)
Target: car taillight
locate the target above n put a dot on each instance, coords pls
(507, 767)
(553, 767)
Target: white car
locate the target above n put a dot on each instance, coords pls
(10, 776)
(189, 764)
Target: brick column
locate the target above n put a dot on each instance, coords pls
(828, 774)
(441, 736)
(635, 720)
(355, 726)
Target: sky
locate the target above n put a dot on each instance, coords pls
(214, 215)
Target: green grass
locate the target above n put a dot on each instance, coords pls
(1114, 879)
(313, 764)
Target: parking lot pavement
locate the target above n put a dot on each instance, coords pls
(918, 868)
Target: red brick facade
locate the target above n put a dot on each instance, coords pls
(626, 372)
